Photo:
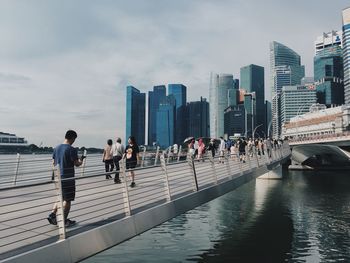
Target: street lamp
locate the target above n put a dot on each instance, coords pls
(255, 130)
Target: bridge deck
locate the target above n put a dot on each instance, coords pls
(23, 223)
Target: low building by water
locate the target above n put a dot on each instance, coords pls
(10, 143)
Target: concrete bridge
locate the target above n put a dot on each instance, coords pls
(108, 213)
(329, 151)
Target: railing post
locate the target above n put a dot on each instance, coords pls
(143, 156)
(156, 157)
(166, 181)
(84, 163)
(126, 199)
(193, 169)
(256, 156)
(60, 213)
(211, 159)
(179, 153)
(169, 152)
(227, 159)
(17, 168)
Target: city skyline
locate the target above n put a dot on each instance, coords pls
(65, 65)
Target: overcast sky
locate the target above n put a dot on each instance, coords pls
(65, 64)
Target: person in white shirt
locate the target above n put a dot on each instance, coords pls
(222, 149)
(117, 151)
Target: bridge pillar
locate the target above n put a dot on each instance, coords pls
(273, 174)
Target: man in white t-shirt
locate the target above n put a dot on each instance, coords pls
(117, 151)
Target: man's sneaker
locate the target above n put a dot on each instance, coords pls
(52, 219)
(117, 181)
(132, 184)
(70, 223)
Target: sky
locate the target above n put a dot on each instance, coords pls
(66, 64)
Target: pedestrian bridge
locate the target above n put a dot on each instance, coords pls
(108, 213)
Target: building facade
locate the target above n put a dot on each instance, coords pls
(179, 91)
(165, 126)
(296, 100)
(328, 69)
(135, 114)
(346, 53)
(155, 98)
(253, 80)
(285, 69)
(235, 120)
(218, 93)
(319, 122)
(198, 118)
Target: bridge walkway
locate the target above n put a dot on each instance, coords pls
(100, 202)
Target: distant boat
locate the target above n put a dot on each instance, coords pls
(10, 143)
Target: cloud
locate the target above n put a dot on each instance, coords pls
(6, 77)
(65, 64)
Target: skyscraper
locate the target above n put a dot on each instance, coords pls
(346, 53)
(286, 69)
(252, 80)
(250, 114)
(328, 69)
(179, 92)
(218, 100)
(296, 100)
(198, 118)
(155, 98)
(235, 120)
(135, 114)
(166, 122)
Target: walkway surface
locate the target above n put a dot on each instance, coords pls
(24, 209)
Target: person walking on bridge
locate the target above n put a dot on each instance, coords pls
(66, 157)
(107, 158)
(132, 158)
(118, 152)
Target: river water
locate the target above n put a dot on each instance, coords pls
(303, 218)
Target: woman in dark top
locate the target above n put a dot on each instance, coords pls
(132, 158)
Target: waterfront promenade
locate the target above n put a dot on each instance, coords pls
(100, 203)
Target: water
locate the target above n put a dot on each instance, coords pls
(303, 218)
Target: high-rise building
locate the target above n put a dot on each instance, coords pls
(179, 92)
(166, 122)
(250, 114)
(328, 69)
(155, 98)
(198, 118)
(286, 69)
(346, 53)
(233, 97)
(330, 39)
(135, 114)
(235, 120)
(296, 100)
(218, 93)
(236, 83)
(252, 80)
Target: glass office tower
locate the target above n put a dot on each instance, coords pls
(282, 59)
(179, 92)
(135, 114)
(346, 53)
(166, 122)
(155, 98)
(253, 80)
(218, 101)
(198, 118)
(328, 69)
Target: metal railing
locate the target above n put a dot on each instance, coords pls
(19, 169)
(24, 208)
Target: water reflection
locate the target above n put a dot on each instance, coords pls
(303, 218)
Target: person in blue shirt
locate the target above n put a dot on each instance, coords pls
(66, 157)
